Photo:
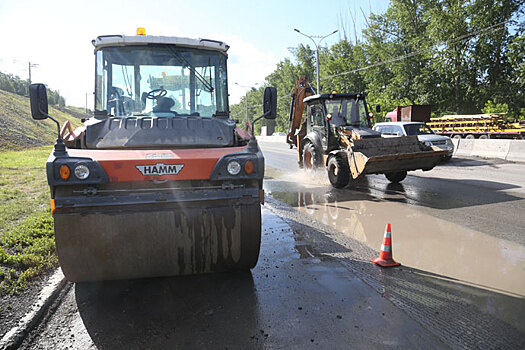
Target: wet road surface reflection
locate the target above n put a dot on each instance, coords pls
(184, 312)
(291, 300)
(419, 240)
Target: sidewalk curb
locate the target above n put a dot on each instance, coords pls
(47, 296)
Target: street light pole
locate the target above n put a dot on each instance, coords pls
(247, 88)
(321, 38)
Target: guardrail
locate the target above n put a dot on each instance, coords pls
(272, 138)
(511, 150)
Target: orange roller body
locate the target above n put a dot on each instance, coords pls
(159, 181)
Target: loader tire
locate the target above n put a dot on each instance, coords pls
(338, 171)
(396, 177)
(311, 157)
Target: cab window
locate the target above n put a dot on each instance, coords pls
(315, 115)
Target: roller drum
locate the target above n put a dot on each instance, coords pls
(187, 238)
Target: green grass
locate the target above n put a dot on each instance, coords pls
(27, 246)
(26, 252)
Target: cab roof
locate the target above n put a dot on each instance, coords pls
(128, 40)
(334, 96)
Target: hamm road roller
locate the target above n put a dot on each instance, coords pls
(159, 181)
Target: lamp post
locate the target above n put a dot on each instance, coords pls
(321, 38)
(247, 88)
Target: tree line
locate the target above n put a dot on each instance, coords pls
(13, 83)
(459, 56)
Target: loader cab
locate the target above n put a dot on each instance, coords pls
(327, 112)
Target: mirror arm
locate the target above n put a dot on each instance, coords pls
(60, 147)
(252, 144)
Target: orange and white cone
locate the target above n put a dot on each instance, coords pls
(385, 258)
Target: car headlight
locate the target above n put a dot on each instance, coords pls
(449, 142)
(428, 143)
(234, 167)
(81, 172)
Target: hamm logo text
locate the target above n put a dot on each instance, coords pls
(160, 169)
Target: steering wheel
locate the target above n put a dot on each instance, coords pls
(155, 94)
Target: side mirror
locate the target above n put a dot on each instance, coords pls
(378, 108)
(270, 103)
(38, 99)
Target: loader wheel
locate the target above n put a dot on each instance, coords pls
(311, 157)
(396, 177)
(338, 171)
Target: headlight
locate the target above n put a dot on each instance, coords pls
(81, 172)
(428, 143)
(449, 142)
(234, 167)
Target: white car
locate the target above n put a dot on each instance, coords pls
(423, 132)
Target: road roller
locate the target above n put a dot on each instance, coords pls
(159, 180)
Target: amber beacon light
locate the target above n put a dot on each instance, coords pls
(141, 31)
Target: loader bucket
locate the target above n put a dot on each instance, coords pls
(386, 155)
(177, 238)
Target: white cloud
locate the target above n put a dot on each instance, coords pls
(61, 45)
(247, 65)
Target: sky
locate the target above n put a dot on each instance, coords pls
(56, 34)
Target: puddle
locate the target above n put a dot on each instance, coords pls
(419, 240)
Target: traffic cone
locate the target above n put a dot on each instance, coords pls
(385, 256)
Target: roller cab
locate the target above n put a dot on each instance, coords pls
(160, 181)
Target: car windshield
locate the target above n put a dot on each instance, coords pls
(346, 111)
(141, 80)
(417, 129)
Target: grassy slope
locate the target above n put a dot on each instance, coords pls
(19, 131)
(27, 245)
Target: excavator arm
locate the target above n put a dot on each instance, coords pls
(297, 129)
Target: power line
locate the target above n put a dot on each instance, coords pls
(464, 38)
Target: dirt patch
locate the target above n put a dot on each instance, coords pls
(14, 307)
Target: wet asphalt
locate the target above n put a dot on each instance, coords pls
(314, 286)
(293, 299)
(487, 195)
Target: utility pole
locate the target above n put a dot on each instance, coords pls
(311, 37)
(31, 65)
(86, 103)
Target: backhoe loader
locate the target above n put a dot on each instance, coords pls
(334, 131)
(160, 181)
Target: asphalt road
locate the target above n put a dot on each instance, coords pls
(457, 231)
(482, 194)
(291, 300)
